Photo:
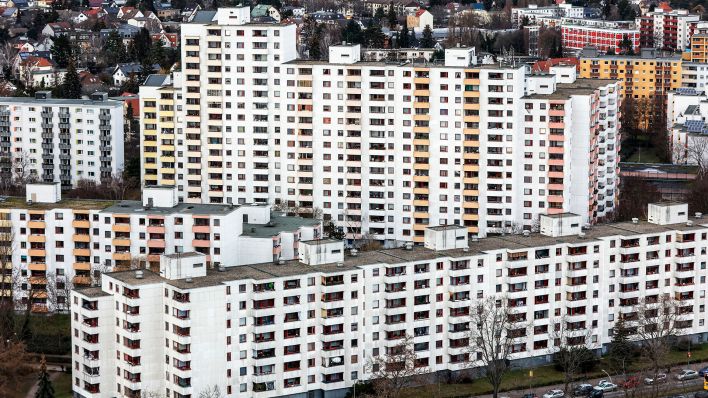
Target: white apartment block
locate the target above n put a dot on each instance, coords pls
(533, 11)
(382, 149)
(58, 244)
(669, 29)
(694, 75)
(308, 327)
(687, 116)
(60, 140)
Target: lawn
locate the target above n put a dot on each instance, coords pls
(542, 376)
(51, 334)
(643, 155)
(62, 386)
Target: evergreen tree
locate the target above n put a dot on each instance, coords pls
(621, 353)
(427, 41)
(626, 46)
(141, 45)
(392, 17)
(352, 32)
(314, 42)
(62, 51)
(373, 36)
(44, 386)
(71, 86)
(404, 40)
(379, 15)
(113, 49)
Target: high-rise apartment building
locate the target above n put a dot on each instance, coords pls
(606, 36)
(667, 29)
(60, 140)
(309, 327)
(58, 244)
(382, 149)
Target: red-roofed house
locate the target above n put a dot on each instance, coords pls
(545, 66)
(420, 19)
(170, 40)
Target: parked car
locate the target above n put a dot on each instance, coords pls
(582, 390)
(701, 394)
(596, 393)
(687, 374)
(630, 382)
(678, 396)
(659, 378)
(606, 386)
(554, 394)
(703, 371)
(529, 395)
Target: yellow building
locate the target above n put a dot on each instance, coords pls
(644, 76)
(699, 48)
(157, 118)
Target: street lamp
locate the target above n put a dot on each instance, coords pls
(608, 375)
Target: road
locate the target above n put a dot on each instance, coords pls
(670, 388)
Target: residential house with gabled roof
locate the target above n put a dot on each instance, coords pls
(54, 29)
(169, 40)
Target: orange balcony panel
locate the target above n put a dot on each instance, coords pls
(121, 242)
(82, 252)
(556, 137)
(81, 280)
(37, 266)
(556, 112)
(200, 243)
(156, 229)
(153, 257)
(82, 266)
(81, 224)
(200, 229)
(37, 252)
(556, 174)
(37, 280)
(556, 125)
(555, 211)
(421, 117)
(556, 149)
(40, 308)
(123, 256)
(555, 162)
(36, 224)
(37, 238)
(418, 239)
(82, 238)
(423, 191)
(555, 198)
(121, 227)
(555, 187)
(421, 214)
(159, 243)
(36, 212)
(420, 227)
(421, 129)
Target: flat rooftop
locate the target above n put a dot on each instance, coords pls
(579, 87)
(270, 270)
(14, 202)
(135, 206)
(58, 101)
(279, 222)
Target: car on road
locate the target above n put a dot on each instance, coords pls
(606, 386)
(703, 371)
(658, 379)
(678, 396)
(529, 395)
(701, 394)
(687, 374)
(554, 394)
(582, 390)
(596, 393)
(630, 383)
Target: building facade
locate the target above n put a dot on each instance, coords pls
(649, 75)
(309, 327)
(687, 110)
(59, 244)
(381, 149)
(606, 36)
(667, 29)
(532, 12)
(59, 140)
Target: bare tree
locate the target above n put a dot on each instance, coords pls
(14, 364)
(695, 152)
(211, 392)
(22, 171)
(496, 331)
(571, 343)
(396, 370)
(658, 322)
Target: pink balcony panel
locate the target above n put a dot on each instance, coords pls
(556, 112)
(555, 198)
(200, 229)
(555, 211)
(156, 243)
(156, 230)
(556, 137)
(555, 162)
(200, 243)
(555, 187)
(555, 149)
(556, 125)
(555, 174)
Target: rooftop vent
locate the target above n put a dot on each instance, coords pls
(354, 252)
(138, 274)
(188, 280)
(635, 220)
(527, 233)
(689, 223)
(281, 262)
(475, 239)
(221, 268)
(699, 215)
(581, 235)
(409, 246)
(340, 264)
(465, 249)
